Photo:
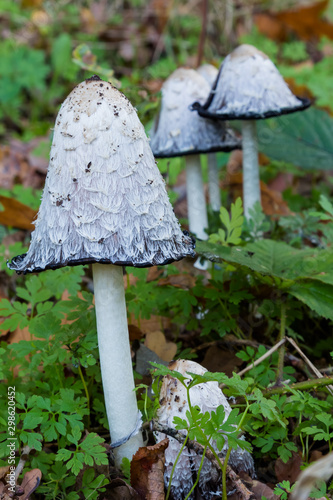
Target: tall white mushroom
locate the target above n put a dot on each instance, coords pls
(105, 202)
(249, 87)
(209, 72)
(179, 132)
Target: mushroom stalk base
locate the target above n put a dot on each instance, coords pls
(251, 179)
(196, 203)
(213, 182)
(115, 358)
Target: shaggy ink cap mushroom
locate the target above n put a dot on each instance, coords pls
(249, 87)
(105, 202)
(179, 132)
(174, 403)
(104, 198)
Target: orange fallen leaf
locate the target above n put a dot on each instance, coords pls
(305, 21)
(272, 201)
(147, 471)
(16, 214)
(156, 341)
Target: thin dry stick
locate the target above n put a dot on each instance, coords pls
(203, 32)
(24, 456)
(306, 359)
(263, 357)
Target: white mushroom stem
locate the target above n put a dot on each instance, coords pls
(196, 202)
(115, 358)
(213, 182)
(251, 179)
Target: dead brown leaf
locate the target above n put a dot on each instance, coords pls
(272, 201)
(118, 489)
(135, 333)
(288, 471)
(185, 281)
(258, 489)
(218, 359)
(30, 482)
(17, 165)
(156, 341)
(305, 21)
(147, 471)
(16, 214)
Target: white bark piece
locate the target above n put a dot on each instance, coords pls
(104, 198)
(250, 86)
(251, 179)
(173, 400)
(196, 203)
(178, 130)
(115, 358)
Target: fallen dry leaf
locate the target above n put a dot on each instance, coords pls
(305, 21)
(135, 333)
(185, 281)
(118, 489)
(288, 471)
(30, 483)
(147, 471)
(13, 213)
(272, 201)
(156, 341)
(258, 489)
(218, 359)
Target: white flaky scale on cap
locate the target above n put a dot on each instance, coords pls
(249, 87)
(179, 132)
(105, 202)
(104, 198)
(173, 400)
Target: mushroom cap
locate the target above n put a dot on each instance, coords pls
(249, 87)
(209, 72)
(104, 198)
(178, 131)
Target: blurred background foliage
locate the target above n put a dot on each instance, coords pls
(47, 47)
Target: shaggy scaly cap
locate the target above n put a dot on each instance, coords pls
(177, 130)
(249, 86)
(104, 198)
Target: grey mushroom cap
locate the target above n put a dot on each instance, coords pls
(249, 87)
(104, 198)
(209, 72)
(177, 130)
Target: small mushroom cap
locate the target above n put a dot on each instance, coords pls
(104, 198)
(177, 130)
(249, 86)
(209, 72)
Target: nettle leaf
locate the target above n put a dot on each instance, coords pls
(317, 296)
(303, 139)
